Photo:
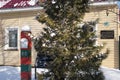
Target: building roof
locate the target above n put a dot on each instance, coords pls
(5, 4)
(30, 5)
(18, 5)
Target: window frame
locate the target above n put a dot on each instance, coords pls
(7, 47)
(118, 15)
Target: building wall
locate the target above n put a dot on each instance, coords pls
(112, 60)
(18, 19)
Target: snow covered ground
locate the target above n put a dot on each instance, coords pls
(111, 74)
(13, 73)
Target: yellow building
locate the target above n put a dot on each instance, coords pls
(11, 22)
(108, 30)
(13, 19)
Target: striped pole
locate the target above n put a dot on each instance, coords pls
(25, 54)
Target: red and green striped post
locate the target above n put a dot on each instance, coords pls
(25, 54)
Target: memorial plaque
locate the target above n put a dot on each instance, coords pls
(107, 34)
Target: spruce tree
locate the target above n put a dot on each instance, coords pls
(76, 57)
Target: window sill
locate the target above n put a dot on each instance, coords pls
(10, 49)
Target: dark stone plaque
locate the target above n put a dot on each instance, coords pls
(107, 34)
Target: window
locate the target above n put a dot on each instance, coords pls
(11, 38)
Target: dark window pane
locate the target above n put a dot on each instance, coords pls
(13, 38)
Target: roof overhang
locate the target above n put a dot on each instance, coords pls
(107, 3)
(39, 8)
(20, 9)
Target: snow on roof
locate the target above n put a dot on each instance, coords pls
(6, 4)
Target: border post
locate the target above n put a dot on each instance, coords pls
(25, 44)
